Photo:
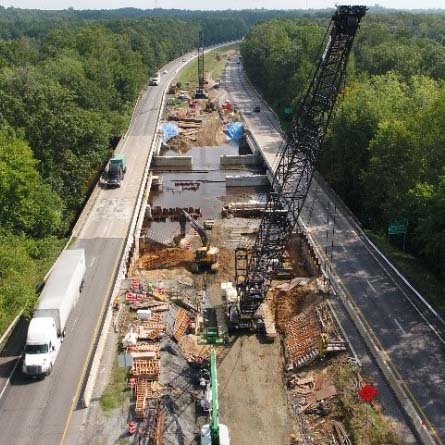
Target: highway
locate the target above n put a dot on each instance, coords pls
(411, 338)
(39, 412)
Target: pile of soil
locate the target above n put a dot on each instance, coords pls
(287, 304)
(164, 258)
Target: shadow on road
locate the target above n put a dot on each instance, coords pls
(11, 352)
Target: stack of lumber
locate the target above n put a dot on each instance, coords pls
(147, 369)
(181, 324)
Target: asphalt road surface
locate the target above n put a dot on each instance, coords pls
(411, 337)
(39, 412)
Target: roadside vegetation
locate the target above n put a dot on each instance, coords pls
(67, 87)
(365, 422)
(384, 155)
(116, 391)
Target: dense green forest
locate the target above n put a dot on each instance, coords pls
(69, 79)
(385, 153)
(67, 88)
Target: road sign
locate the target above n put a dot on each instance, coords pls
(398, 226)
(288, 110)
(368, 393)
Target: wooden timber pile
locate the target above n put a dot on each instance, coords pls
(143, 392)
(302, 339)
(181, 324)
(150, 303)
(146, 355)
(147, 369)
(158, 425)
(149, 330)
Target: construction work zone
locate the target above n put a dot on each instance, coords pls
(151, 327)
(199, 122)
(295, 383)
(301, 387)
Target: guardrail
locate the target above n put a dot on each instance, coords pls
(418, 420)
(120, 272)
(407, 401)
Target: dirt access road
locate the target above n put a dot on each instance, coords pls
(252, 394)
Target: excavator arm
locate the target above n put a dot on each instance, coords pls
(202, 233)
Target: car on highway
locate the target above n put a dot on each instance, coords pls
(165, 72)
(257, 109)
(183, 60)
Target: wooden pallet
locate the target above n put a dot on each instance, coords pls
(181, 324)
(146, 347)
(148, 369)
(161, 307)
(157, 431)
(151, 330)
(142, 388)
(120, 318)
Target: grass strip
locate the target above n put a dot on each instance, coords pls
(431, 286)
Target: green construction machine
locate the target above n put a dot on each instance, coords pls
(214, 433)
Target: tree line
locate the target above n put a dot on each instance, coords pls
(67, 89)
(385, 152)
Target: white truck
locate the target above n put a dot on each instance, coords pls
(47, 327)
(155, 79)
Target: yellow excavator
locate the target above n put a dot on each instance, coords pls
(206, 257)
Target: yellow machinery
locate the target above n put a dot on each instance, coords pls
(206, 257)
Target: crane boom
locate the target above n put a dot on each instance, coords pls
(200, 93)
(214, 426)
(298, 159)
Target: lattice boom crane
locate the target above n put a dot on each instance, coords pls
(298, 159)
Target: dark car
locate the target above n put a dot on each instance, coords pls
(257, 109)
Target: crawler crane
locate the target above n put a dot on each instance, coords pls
(298, 158)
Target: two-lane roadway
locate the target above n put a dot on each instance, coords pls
(411, 336)
(38, 412)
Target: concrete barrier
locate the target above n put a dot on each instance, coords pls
(247, 181)
(237, 161)
(418, 421)
(172, 162)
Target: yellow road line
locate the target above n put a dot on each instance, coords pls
(388, 360)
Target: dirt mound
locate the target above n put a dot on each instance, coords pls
(210, 134)
(289, 303)
(165, 258)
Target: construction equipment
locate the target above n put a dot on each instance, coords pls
(214, 433)
(298, 158)
(206, 256)
(200, 93)
(208, 224)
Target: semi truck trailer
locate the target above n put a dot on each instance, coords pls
(58, 298)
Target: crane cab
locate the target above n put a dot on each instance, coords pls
(207, 257)
(224, 437)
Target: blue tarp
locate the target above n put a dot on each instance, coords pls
(169, 131)
(234, 130)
